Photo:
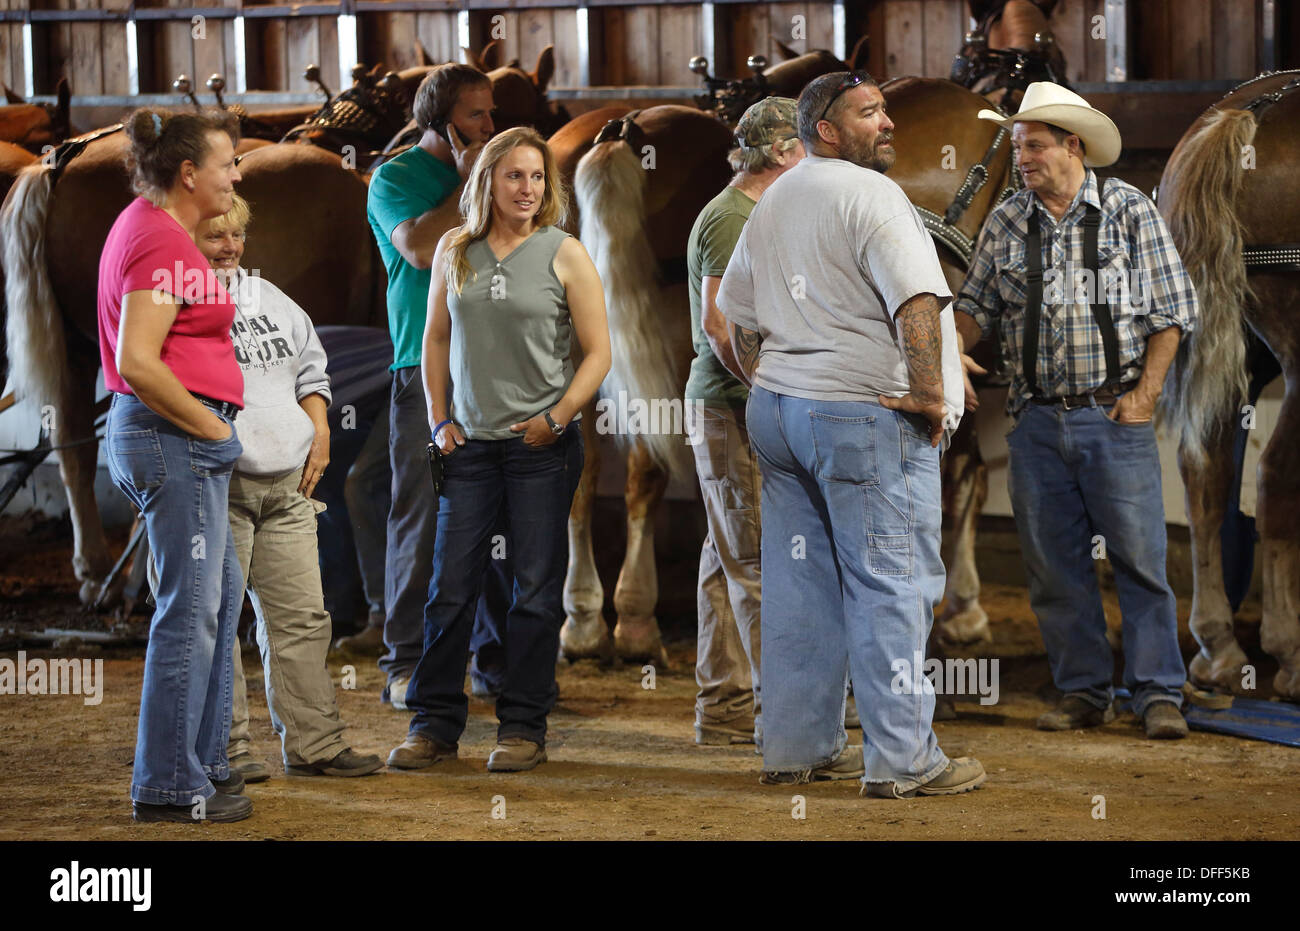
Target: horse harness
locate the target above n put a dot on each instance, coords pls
(1275, 255)
(943, 229)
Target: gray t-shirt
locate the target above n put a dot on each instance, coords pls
(829, 255)
(510, 337)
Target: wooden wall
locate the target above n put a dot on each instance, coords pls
(647, 44)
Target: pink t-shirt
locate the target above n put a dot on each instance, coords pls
(148, 250)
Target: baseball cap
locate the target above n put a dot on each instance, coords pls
(768, 121)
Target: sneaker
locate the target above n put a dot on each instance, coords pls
(397, 692)
(233, 784)
(219, 808)
(514, 755)
(251, 769)
(848, 765)
(481, 688)
(719, 734)
(418, 751)
(960, 775)
(1075, 712)
(1163, 720)
(344, 763)
(369, 642)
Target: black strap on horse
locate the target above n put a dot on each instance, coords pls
(1034, 297)
(71, 148)
(624, 128)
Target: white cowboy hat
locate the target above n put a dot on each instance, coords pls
(1045, 102)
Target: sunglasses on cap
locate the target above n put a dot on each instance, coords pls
(853, 79)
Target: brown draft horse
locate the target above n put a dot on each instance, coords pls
(630, 217)
(309, 235)
(34, 126)
(635, 224)
(1233, 184)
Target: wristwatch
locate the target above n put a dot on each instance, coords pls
(556, 429)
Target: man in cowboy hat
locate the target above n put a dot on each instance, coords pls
(1092, 298)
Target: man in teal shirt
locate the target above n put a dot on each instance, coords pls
(728, 706)
(411, 204)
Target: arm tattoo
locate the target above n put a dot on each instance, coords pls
(746, 345)
(918, 323)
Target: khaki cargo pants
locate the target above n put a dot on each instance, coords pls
(275, 538)
(730, 593)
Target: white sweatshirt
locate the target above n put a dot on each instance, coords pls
(283, 362)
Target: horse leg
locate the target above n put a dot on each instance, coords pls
(584, 632)
(1218, 664)
(965, 489)
(1279, 513)
(636, 635)
(77, 467)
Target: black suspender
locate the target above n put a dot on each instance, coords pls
(1100, 309)
(1034, 296)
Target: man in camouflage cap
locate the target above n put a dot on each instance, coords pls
(728, 705)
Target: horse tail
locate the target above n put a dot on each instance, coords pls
(610, 185)
(1207, 382)
(38, 357)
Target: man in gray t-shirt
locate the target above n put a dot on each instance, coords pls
(843, 327)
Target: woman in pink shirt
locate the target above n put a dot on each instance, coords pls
(164, 339)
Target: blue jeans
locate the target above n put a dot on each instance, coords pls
(1074, 475)
(180, 485)
(851, 571)
(412, 529)
(537, 486)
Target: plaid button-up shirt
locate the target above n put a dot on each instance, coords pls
(1139, 273)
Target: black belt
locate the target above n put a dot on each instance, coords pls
(1103, 395)
(224, 408)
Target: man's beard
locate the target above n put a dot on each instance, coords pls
(873, 155)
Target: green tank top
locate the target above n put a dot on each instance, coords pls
(510, 337)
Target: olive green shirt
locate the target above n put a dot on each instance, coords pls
(713, 237)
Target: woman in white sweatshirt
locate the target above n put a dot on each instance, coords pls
(273, 518)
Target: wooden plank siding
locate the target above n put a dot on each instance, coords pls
(649, 43)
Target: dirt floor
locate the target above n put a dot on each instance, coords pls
(623, 764)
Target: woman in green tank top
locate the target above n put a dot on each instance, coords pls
(509, 290)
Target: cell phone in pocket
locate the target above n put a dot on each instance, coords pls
(436, 467)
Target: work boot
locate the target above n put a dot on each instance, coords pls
(219, 808)
(1075, 712)
(960, 775)
(724, 733)
(252, 770)
(344, 763)
(848, 765)
(1164, 721)
(515, 754)
(418, 752)
(369, 642)
(233, 784)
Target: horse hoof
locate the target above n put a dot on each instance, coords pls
(1223, 673)
(581, 640)
(1287, 683)
(964, 627)
(640, 640)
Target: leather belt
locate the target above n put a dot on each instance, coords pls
(1102, 396)
(224, 408)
